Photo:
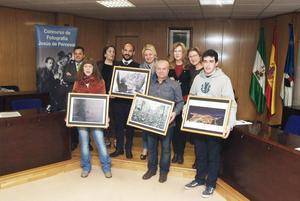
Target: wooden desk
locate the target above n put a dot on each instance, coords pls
(7, 97)
(261, 163)
(33, 140)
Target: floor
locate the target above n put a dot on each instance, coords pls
(124, 185)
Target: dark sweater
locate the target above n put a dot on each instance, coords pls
(184, 80)
(106, 72)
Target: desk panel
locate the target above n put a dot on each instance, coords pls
(263, 165)
(33, 140)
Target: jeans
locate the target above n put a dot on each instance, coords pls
(85, 152)
(165, 157)
(208, 150)
(145, 140)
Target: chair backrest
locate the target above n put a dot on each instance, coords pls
(30, 103)
(11, 87)
(293, 125)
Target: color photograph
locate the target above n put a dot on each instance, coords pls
(206, 116)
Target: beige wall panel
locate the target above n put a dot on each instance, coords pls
(8, 47)
(91, 36)
(25, 55)
(247, 50)
(64, 19)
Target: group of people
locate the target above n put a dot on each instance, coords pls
(185, 72)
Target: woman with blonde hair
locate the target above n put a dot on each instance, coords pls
(150, 56)
(179, 71)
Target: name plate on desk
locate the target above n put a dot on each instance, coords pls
(9, 114)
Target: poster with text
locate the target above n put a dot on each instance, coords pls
(54, 46)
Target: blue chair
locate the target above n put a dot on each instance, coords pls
(293, 125)
(23, 104)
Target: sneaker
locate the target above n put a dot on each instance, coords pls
(208, 192)
(193, 184)
(84, 173)
(149, 174)
(108, 174)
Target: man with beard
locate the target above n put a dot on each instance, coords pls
(121, 108)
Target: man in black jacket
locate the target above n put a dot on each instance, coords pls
(121, 108)
(69, 77)
(71, 69)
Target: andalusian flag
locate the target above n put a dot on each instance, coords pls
(258, 79)
(287, 86)
(271, 77)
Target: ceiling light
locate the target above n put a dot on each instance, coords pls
(116, 3)
(216, 2)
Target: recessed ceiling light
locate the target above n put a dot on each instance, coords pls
(216, 2)
(116, 3)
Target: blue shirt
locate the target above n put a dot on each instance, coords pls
(169, 90)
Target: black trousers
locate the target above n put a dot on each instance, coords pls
(208, 149)
(121, 112)
(179, 137)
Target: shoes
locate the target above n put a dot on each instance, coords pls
(149, 174)
(194, 166)
(193, 184)
(116, 153)
(175, 158)
(162, 177)
(91, 147)
(180, 159)
(129, 154)
(143, 157)
(84, 173)
(208, 192)
(108, 174)
(74, 146)
(107, 142)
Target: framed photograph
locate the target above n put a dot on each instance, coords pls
(87, 110)
(128, 81)
(183, 35)
(207, 116)
(150, 113)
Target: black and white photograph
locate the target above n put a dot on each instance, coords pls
(127, 81)
(208, 116)
(150, 114)
(87, 110)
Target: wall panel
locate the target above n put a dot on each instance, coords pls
(91, 36)
(26, 53)
(8, 47)
(235, 40)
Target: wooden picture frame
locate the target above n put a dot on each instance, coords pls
(183, 35)
(128, 81)
(150, 114)
(207, 116)
(87, 110)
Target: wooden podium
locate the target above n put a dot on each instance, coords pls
(32, 140)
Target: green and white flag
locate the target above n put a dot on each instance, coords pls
(258, 79)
